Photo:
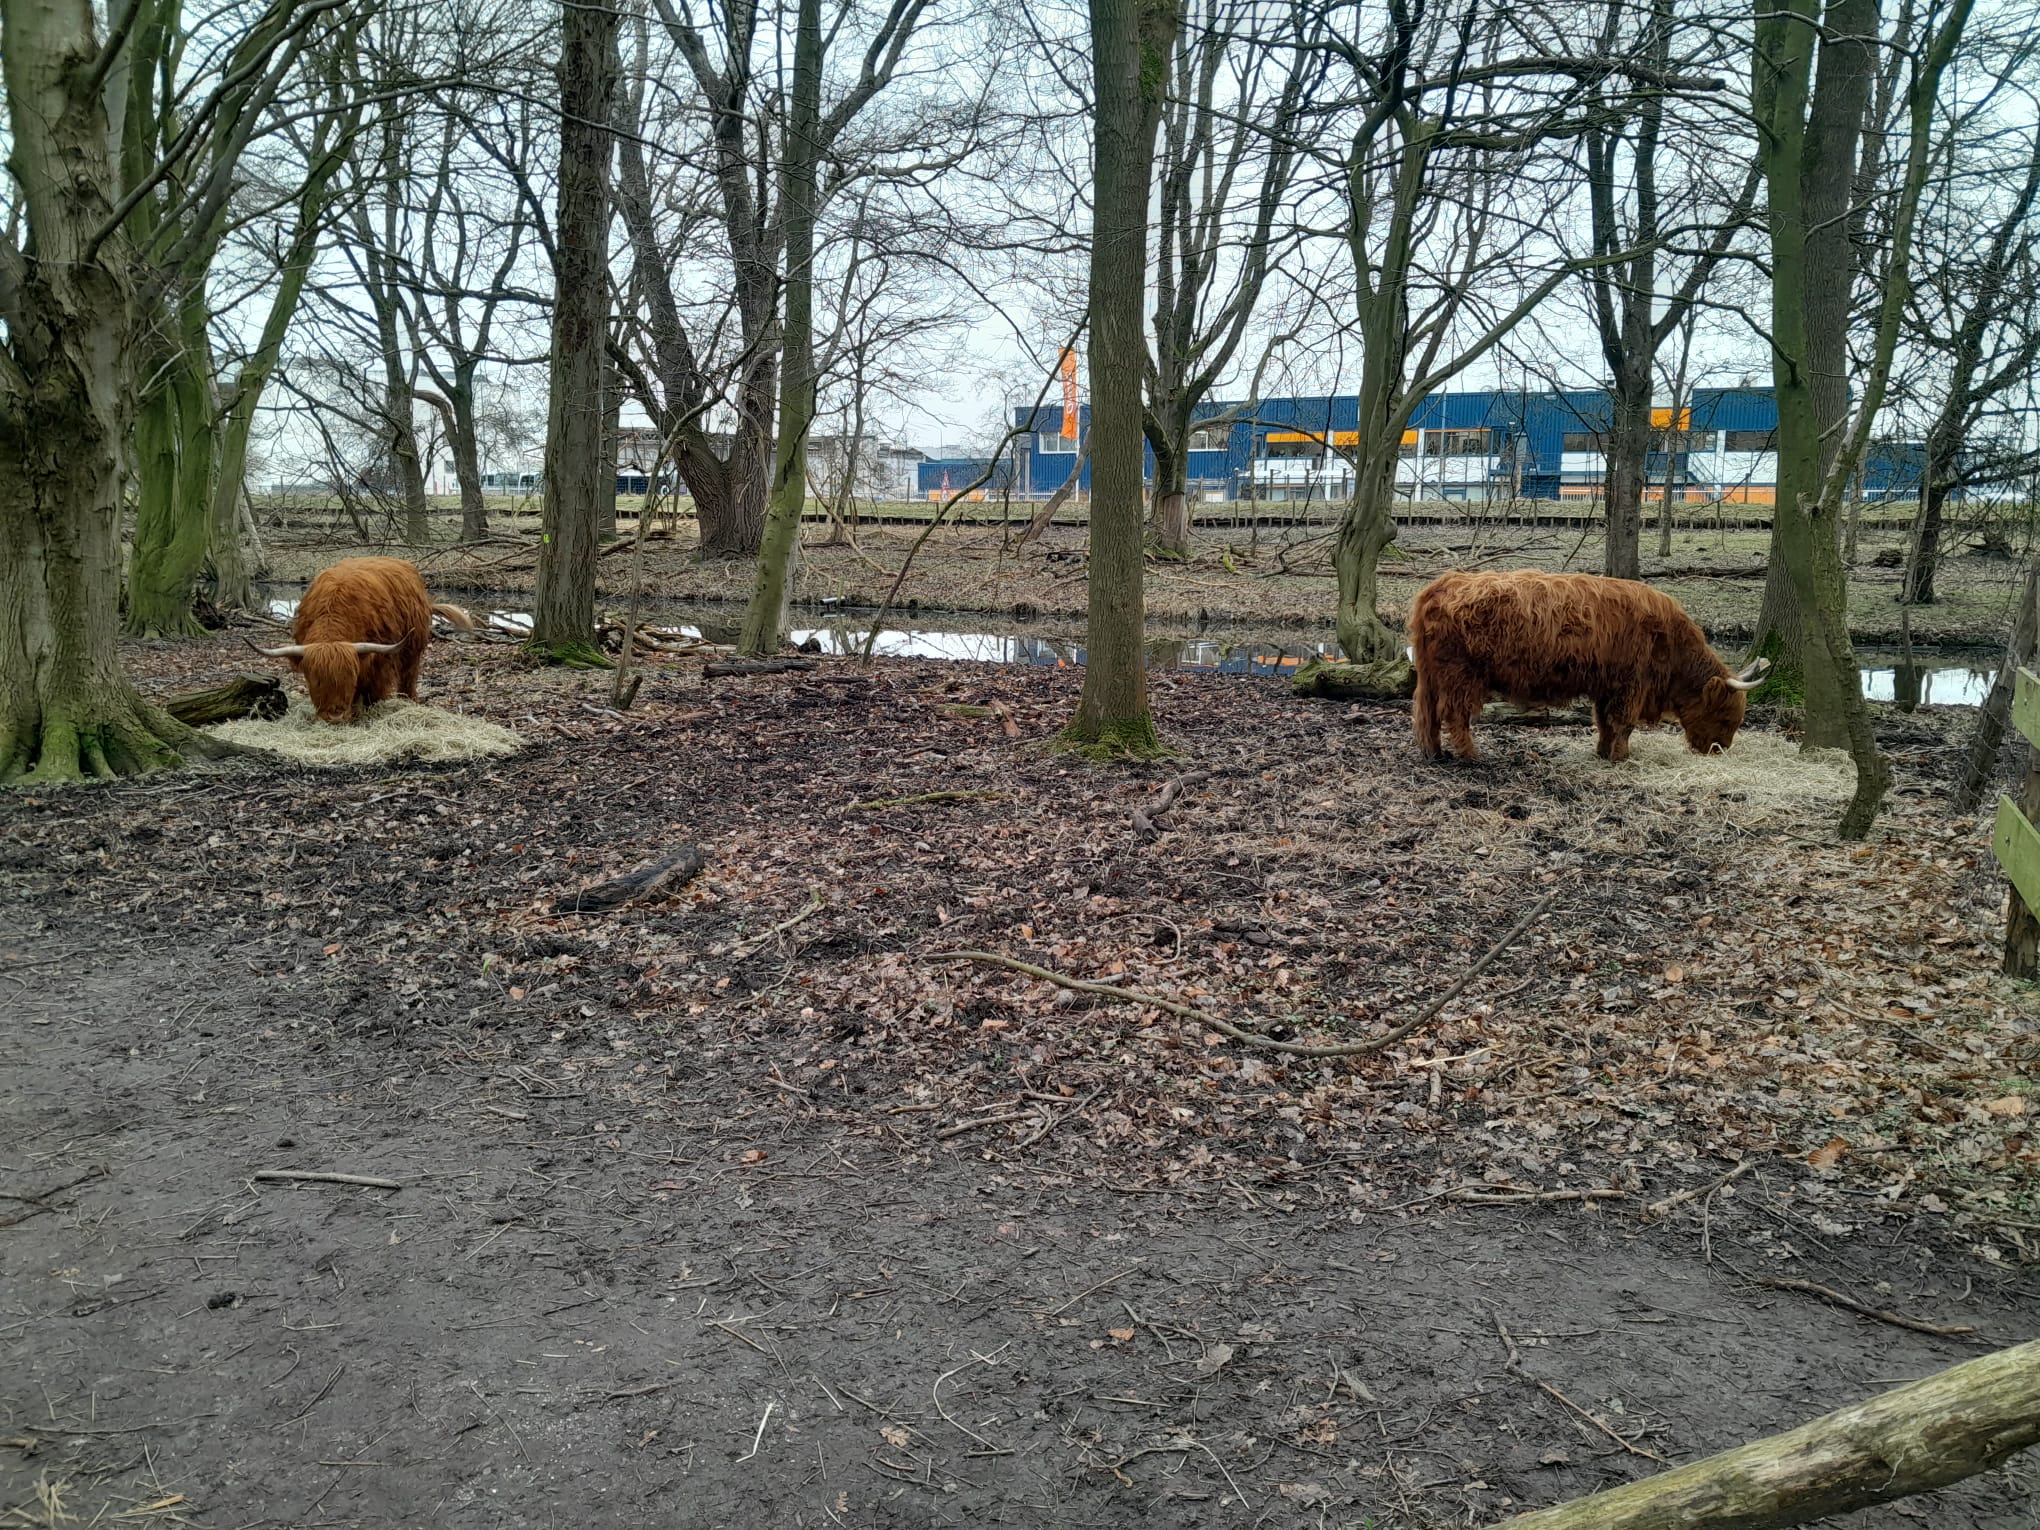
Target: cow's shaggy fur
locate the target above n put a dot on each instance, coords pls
(1540, 639)
(361, 600)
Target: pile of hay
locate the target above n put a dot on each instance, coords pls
(1762, 778)
(391, 731)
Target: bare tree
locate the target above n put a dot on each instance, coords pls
(1226, 165)
(563, 607)
(1631, 216)
(731, 55)
(1811, 87)
(1442, 190)
(1131, 42)
(1974, 319)
(107, 224)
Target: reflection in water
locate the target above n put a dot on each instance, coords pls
(1959, 685)
(1929, 685)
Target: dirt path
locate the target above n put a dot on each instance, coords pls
(719, 1212)
(565, 1318)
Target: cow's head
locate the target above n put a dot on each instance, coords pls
(332, 672)
(1711, 722)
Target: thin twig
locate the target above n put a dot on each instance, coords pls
(1101, 1285)
(1054, 1121)
(935, 1396)
(1226, 1027)
(1895, 1319)
(759, 1438)
(1000, 1120)
(1513, 1365)
(316, 1177)
(1659, 1208)
(889, 802)
(1506, 1195)
(751, 945)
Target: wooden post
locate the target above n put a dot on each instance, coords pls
(2016, 843)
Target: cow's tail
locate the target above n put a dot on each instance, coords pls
(460, 617)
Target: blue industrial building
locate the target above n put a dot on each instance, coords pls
(1476, 445)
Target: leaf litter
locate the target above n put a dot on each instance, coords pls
(1717, 979)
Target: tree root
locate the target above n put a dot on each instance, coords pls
(1118, 742)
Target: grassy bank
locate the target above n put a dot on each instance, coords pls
(1273, 578)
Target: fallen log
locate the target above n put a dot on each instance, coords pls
(722, 667)
(668, 875)
(1387, 680)
(243, 696)
(1922, 1436)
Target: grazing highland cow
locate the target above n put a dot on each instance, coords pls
(361, 632)
(1546, 639)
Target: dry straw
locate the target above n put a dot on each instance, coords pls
(1762, 779)
(391, 731)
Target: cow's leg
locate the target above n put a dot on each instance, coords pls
(407, 678)
(1458, 708)
(1425, 714)
(1614, 720)
(383, 677)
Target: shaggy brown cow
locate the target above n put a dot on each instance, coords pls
(361, 632)
(1546, 639)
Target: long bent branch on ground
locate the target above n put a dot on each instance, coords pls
(1251, 1038)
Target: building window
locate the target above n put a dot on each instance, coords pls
(1212, 438)
(1049, 444)
(1460, 443)
(1295, 449)
(1752, 441)
(1583, 440)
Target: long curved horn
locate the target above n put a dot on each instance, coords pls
(1752, 676)
(290, 651)
(377, 647)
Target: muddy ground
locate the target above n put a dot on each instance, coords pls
(1270, 578)
(748, 1205)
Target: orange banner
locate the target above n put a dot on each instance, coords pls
(1069, 382)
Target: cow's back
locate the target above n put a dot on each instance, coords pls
(1542, 639)
(366, 600)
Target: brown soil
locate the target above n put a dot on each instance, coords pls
(746, 1207)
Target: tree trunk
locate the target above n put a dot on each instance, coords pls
(732, 520)
(232, 587)
(1925, 562)
(1980, 759)
(612, 429)
(1811, 118)
(1628, 450)
(1948, 1426)
(1172, 491)
(563, 614)
(66, 709)
(467, 454)
(1367, 527)
(1130, 41)
(174, 460)
(1046, 514)
(779, 550)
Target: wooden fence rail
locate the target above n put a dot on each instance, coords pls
(2016, 842)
